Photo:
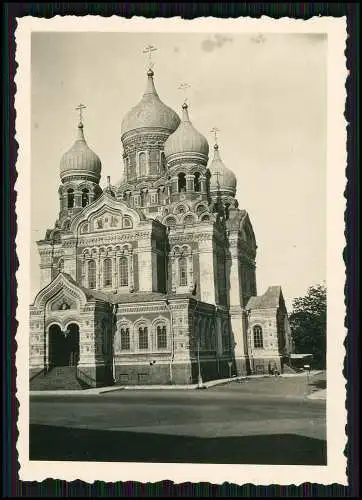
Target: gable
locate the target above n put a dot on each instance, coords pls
(62, 290)
(106, 214)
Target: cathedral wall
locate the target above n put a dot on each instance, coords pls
(207, 271)
(36, 340)
(265, 357)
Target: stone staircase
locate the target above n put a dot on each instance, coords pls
(58, 378)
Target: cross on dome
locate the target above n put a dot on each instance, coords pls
(214, 131)
(80, 108)
(184, 87)
(148, 50)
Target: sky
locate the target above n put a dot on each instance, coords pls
(266, 93)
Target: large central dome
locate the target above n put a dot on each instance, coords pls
(150, 112)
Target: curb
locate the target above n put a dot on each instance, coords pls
(205, 385)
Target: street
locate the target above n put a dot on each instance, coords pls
(264, 422)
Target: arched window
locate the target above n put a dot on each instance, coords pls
(161, 337)
(227, 206)
(170, 222)
(127, 223)
(181, 183)
(123, 271)
(183, 271)
(197, 184)
(70, 198)
(107, 272)
(142, 163)
(188, 220)
(61, 265)
(91, 274)
(125, 339)
(258, 337)
(85, 197)
(143, 337)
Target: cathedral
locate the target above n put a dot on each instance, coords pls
(152, 280)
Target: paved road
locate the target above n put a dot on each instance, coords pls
(232, 424)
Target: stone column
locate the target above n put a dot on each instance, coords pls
(190, 183)
(130, 271)
(115, 272)
(174, 184)
(190, 272)
(207, 269)
(173, 268)
(77, 199)
(99, 272)
(84, 272)
(202, 179)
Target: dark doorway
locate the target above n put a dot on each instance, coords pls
(64, 346)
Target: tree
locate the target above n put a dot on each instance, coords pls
(308, 323)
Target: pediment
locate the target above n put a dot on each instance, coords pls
(106, 214)
(61, 294)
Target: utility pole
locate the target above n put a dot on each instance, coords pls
(199, 378)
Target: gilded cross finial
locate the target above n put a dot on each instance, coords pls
(148, 50)
(184, 87)
(80, 109)
(214, 131)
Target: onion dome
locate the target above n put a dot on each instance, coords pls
(80, 160)
(222, 179)
(150, 112)
(186, 139)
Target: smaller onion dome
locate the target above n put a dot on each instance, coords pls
(80, 160)
(222, 179)
(186, 139)
(150, 112)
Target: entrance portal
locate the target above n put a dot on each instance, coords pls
(64, 345)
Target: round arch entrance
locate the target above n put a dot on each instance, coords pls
(64, 345)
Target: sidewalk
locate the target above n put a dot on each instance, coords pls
(321, 394)
(205, 385)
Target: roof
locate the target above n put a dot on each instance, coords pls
(150, 112)
(269, 300)
(186, 139)
(80, 159)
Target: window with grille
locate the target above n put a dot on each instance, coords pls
(107, 272)
(161, 337)
(123, 271)
(143, 337)
(91, 274)
(125, 340)
(258, 337)
(183, 271)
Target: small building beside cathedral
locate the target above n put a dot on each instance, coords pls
(152, 280)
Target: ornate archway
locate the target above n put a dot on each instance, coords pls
(63, 345)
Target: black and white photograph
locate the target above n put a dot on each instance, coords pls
(180, 207)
